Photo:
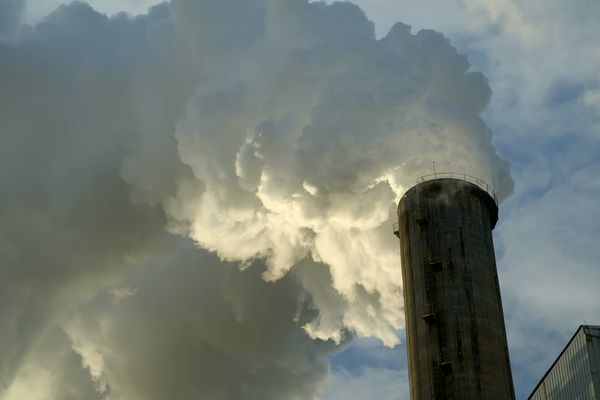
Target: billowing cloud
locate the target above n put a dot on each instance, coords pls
(277, 136)
(320, 128)
(199, 327)
(11, 12)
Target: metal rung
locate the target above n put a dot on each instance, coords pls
(429, 318)
(446, 367)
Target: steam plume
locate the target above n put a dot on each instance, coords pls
(276, 135)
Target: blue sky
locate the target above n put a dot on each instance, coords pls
(541, 60)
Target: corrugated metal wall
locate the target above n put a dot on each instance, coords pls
(574, 375)
(593, 342)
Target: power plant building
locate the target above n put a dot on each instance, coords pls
(456, 338)
(576, 372)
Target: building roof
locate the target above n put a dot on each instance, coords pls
(581, 327)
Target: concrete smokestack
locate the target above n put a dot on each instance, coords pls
(456, 337)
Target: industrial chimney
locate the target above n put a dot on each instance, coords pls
(454, 320)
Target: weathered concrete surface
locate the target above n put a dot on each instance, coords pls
(454, 320)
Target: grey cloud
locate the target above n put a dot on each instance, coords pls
(196, 327)
(11, 12)
(550, 273)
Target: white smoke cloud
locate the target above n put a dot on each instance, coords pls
(278, 135)
(302, 143)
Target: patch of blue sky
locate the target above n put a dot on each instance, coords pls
(369, 352)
